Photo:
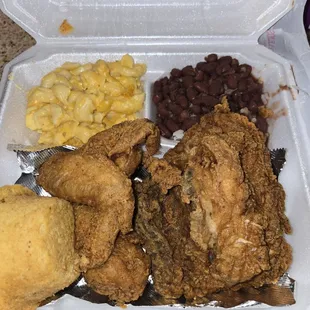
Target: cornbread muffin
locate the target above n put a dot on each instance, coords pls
(36, 248)
(9, 191)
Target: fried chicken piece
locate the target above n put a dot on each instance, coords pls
(162, 172)
(121, 143)
(104, 190)
(95, 176)
(152, 226)
(215, 188)
(265, 204)
(95, 234)
(36, 248)
(233, 220)
(124, 275)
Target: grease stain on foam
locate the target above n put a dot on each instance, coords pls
(283, 88)
(282, 112)
(277, 111)
(275, 105)
(11, 78)
(293, 74)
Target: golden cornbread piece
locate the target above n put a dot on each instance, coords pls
(36, 248)
(9, 191)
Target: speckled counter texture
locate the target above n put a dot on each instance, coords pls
(13, 40)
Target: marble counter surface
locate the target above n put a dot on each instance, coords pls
(13, 40)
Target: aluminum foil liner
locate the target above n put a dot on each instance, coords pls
(30, 159)
(279, 294)
(278, 160)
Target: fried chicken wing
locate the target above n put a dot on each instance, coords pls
(124, 275)
(223, 226)
(85, 179)
(95, 234)
(95, 176)
(122, 143)
(104, 190)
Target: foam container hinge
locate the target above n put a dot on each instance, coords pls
(164, 35)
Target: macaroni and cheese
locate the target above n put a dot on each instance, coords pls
(76, 101)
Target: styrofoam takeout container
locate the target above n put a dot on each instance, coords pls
(166, 34)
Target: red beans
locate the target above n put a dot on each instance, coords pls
(200, 65)
(242, 104)
(164, 81)
(188, 81)
(182, 102)
(242, 85)
(174, 86)
(223, 70)
(176, 73)
(184, 115)
(234, 62)
(157, 98)
(215, 87)
(245, 70)
(199, 76)
(195, 109)
(252, 106)
(175, 109)
(191, 92)
(211, 101)
(188, 70)
(202, 87)
(211, 58)
(225, 60)
(245, 97)
(209, 67)
(163, 112)
(189, 123)
(157, 86)
(261, 124)
(236, 95)
(165, 132)
(166, 91)
(232, 81)
(172, 126)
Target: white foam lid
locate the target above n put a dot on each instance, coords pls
(102, 19)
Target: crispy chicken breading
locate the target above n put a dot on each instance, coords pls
(121, 143)
(95, 176)
(223, 226)
(163, 173)
(124, 275)
(163, 229)
(106, 194)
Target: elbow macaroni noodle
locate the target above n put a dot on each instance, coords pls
(76, 101)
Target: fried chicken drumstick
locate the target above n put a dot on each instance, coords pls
(124, 275)
(222, 226)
